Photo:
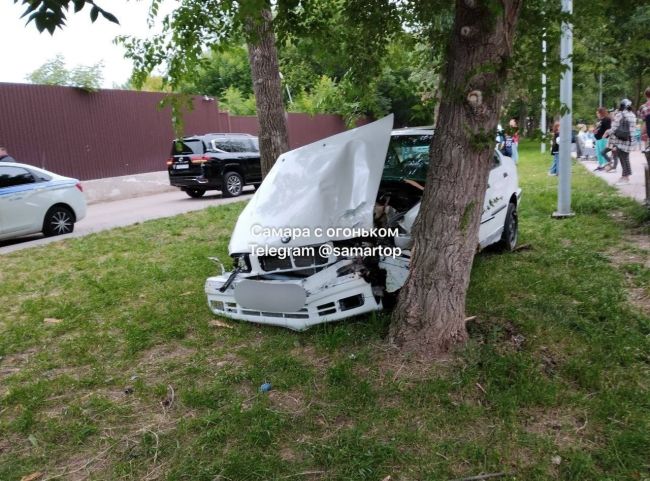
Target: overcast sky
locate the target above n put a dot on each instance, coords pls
(81, 42)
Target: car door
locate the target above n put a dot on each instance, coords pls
(495, 203)
(243, 147)
(20, 208)
(229, 159)
(254, 163)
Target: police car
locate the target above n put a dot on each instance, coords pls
(34, 200)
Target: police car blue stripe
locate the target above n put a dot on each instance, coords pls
(50, 185)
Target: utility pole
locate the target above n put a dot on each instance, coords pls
(600, 89)
(566, 103)
(542, 120)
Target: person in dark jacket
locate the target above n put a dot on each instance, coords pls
(555, 149)
(601, 133)
(4, 156)
(621, 139)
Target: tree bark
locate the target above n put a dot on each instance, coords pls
(265, 70)
(429, 318)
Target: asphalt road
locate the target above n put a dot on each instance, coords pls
(119, 213)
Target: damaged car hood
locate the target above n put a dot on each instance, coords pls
(330, 185)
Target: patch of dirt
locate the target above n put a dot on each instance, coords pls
(288, 402)
(288, 454)
(76, 372)
(639, 254)
(226, 361)
(642, 241)
(154, 363)
(6, 444)
(640, 298)
(506, 333)
(166, 352)
(12, 363)
(247, 391)
(120, 441)
(566, 428)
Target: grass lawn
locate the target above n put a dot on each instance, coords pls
(110, 369)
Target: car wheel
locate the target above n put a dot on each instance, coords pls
(59, 220)
(195, 193)
(232, 184)
(510, 228)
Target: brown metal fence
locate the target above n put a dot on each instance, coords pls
(93, 135)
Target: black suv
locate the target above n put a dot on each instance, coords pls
(225, 162)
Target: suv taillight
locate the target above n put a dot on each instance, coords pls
(199, 159)
(170, 161)
(79, 186)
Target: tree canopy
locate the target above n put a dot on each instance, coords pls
(54, 72)
(51, 14)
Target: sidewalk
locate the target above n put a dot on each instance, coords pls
(126, 187)
(636, 187)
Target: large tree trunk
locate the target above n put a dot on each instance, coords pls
(265, 70)
(430, 315)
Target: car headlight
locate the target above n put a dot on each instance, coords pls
(216, 305)
(241, 263)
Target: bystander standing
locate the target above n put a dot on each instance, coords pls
(4, 156)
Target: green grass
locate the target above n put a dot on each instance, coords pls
(558, 363)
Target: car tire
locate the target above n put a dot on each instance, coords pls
(510, 228)
(233, 184)
(195, 193)
(59, 220)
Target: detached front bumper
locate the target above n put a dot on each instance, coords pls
(292, 303)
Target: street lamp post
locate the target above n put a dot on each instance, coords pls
(566, 102)
(542, 120)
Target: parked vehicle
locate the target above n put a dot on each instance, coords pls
(34, 200)
(299, 259)
(225, 162)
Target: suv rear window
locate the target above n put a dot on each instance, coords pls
(241, 145)
(236, 145)
(187, 147)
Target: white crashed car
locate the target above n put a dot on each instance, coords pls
(34, 200)
(327, 234)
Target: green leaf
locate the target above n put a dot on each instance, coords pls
(110, 17)
(78, 5)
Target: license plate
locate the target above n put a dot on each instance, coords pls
(181, 166)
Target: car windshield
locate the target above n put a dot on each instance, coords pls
(187, 147)
(407, 157)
